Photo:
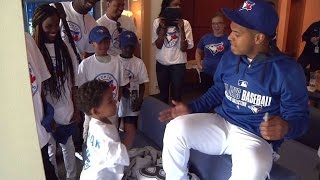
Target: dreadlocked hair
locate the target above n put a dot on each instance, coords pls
(164, 5)
(63, 70)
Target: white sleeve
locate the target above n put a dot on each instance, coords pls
(82, 77)
(188, 31)
(34, 53)
(143, 74)
(117, 154)
(74, 63)
(154, 30)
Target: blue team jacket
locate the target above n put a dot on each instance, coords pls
(243, 92)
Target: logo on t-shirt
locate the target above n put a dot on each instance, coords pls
(113, 83)
(172, 37)
(34, 85)
(215, 48)
(75, 32)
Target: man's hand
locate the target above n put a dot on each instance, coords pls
(274, 128)
(179, 109)
(199, 65)
(315, 40)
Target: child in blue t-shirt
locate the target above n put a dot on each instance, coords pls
(210, 49)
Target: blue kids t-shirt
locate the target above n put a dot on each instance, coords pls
(213, 48)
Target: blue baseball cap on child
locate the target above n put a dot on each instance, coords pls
(99, 33)
(255, 14)
(128, 38)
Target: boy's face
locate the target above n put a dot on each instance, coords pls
(127, 51)
(102, 47)
(108, 106)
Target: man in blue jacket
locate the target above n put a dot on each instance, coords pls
(259, 97)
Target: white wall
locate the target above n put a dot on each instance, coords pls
(20, 153)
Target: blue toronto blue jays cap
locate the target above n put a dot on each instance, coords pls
(255, 14)
(99, 33)
(128, 38)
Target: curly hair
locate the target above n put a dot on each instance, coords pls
(90, 95)
(64, 68)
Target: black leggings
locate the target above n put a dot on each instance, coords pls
(170, 76)
(48, 167)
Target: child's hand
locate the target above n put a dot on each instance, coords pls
(76, 116)
(136, 105)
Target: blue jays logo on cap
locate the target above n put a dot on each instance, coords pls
(256, 15)
(247, 5)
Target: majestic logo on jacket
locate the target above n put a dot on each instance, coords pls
(215, 48)
(75, 32)
(243, 83)
(247, 5)
(113, 83)
(34, 85)
(172, 37)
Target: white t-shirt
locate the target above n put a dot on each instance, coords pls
(80, 26)
(63, 107)
(111, 72)
(106, 155)
(136, 72)
(127, 24)
(170, 52)
(38, 73)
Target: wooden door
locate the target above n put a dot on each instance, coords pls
(199, 14)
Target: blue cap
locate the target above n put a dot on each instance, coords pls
(128, 38)
(99, 33)
(255, 14)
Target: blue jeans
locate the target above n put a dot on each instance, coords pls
(172, 77)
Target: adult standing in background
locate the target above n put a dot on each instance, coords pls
(115, 22)
(38, 72)
(210, 49)
(311, 53)
(80, 23)
(171, 42)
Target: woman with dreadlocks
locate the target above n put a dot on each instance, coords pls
(58, 90)
(172, 37)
